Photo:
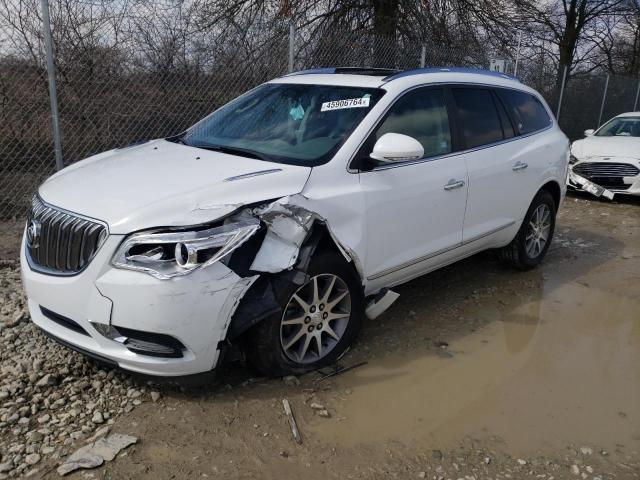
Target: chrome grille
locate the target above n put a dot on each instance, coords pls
(61, 242)
(605, 169)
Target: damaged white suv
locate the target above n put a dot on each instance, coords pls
(278, 221)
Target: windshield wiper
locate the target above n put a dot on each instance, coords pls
(232, 151)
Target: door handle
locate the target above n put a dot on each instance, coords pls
(453, 184)
(519, 166)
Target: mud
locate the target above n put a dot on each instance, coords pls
(477, 372)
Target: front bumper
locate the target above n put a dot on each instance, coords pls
(194, 309)
(621, 184)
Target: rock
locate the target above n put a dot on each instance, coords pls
(586, 450)
(521, 462)
(422, 474)
(32, 459)
(44, 418)
(97, 418)
(6, 467)
(101, 432)
(96, 453)
(47, 381)
(436, 455)
(575, 470)
(291, 381)
(317, 406)
(155, 396)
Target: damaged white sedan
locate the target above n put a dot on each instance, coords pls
(276, 224)
(607, 161)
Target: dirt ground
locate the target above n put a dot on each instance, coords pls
(476, 372)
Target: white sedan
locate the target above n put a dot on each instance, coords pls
(608, 157)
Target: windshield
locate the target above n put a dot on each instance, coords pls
(285, 123)
(621, 127)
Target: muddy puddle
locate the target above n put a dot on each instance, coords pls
(559, 366)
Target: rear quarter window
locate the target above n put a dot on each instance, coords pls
(526, 110)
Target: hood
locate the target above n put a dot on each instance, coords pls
(161, 184)
(628, 147)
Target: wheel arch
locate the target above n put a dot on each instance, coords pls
(553, 187)
(263, 298)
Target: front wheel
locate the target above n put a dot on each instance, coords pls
(319, 321)
(532, 241)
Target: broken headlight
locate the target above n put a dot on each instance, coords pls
(166, 255)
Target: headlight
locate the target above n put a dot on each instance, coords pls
(170, 254)
(572, 160)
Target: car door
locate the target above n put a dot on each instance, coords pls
(493, 184)
(503, 167)
(414, 209)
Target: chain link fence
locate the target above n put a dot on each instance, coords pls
(131, 70)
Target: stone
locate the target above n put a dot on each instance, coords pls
(32, 459)
(44, 418)
(47, 381)
(291, 381)
(575, 470)
(96, 453)
(97, 418)
(586, 450)
(155, 396)
(317, 406)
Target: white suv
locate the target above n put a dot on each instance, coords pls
(283, 218)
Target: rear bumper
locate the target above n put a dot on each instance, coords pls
(194, 310)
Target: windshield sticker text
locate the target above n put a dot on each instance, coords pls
(346, 103)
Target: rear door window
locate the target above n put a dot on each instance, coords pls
(526, 110)
(477, 115)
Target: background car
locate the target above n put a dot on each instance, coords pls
(610, 156)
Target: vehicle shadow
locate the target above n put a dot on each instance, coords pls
(437, 309)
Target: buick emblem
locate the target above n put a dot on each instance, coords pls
(33, 233)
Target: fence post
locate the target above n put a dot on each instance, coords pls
(564, 79)
(515, 70)
(635, 103)
(604, 97)
(423, 56)
(51, 74)
(292, 38)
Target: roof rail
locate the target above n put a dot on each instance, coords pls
(477, 71)
(373, 71)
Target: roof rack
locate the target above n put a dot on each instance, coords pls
(477, 71)
(373, 71)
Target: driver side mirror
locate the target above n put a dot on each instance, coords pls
(395, 147)
(589, 132)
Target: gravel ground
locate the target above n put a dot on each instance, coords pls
(51, 398)
(476, 373)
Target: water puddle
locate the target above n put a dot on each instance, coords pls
(558, 368)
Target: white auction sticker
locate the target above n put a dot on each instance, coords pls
(346, 103)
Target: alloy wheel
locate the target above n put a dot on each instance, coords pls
(538, 231)
(315, 318)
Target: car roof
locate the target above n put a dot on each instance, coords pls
(387, 78)
(629, 114)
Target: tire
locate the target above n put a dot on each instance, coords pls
(519, 253)
(266, 342)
